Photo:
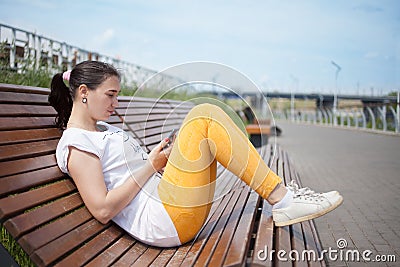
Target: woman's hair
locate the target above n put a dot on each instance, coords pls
(90, 73)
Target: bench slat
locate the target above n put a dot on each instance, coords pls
(24, 136)
(56, 249)
(114, 119)
(209, 248)
(141, 127)
(109, 256)
(297, 231)
(12, 97)
(187, 254)
(237, 225)
(236, 254)
(160, 131)
(147, 257)
(132, 102)
(91, 249)
(312, 243)
(25, 222)
(26, 165)
(13, 110)
(265, 229)
(283, 243)
(24, 150)
(140, 103)
(130, 119)
(298, 242)
(24, 181)
(225, 182)
(20, 123)
(264, 239)
(146, 111)
(16, 203)
(282, 233)
(23, 89)
(42, 236)
(176, 104)
(309, 234)
(131, 255)
(164, 257)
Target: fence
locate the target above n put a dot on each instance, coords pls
(384, 117)
(21, 47)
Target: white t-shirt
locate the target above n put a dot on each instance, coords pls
(145, 217)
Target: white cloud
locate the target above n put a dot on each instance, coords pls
(102, 41)
(371, 55)
(106, 36)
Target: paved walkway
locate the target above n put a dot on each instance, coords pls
(365, 168)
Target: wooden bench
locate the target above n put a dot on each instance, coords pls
(42, 210)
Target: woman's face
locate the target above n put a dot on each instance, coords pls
(102, 101)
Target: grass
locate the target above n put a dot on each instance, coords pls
(15, 250)
(32, 77)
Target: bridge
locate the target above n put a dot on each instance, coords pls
(376, 112)
(322, 99)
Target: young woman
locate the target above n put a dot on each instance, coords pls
(115, 177)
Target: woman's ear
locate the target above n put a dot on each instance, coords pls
(83, 90)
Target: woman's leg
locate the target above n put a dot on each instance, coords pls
(187, 188)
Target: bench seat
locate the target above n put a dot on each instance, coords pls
(42, 210)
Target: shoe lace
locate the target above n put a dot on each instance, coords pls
(305, 192)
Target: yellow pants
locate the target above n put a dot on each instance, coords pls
(187, 187)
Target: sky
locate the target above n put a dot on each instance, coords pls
(280, 45)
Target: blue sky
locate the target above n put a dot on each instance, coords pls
(275, 43)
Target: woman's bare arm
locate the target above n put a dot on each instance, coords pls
(86, 171)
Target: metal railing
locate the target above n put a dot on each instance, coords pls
(21, 47)
(384, 118)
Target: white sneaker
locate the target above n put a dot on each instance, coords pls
(292, 186)
(306, 205)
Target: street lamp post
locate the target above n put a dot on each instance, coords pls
(398, 112)
(335, 104)
(292, 97)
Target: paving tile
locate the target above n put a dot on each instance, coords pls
(357, 264)
(369, 216)
(383, 249)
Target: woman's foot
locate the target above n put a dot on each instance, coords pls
(305, 205)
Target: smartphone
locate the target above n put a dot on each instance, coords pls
(171, 137)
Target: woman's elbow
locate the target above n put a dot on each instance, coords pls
(103, 216)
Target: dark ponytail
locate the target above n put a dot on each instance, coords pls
(61, 99)
(90, 73)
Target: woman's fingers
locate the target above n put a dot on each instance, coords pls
(164, 144)
(159, 155)
(167, 150)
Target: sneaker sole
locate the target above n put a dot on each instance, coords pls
(311, 216)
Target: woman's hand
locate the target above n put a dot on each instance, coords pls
(158, 157)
